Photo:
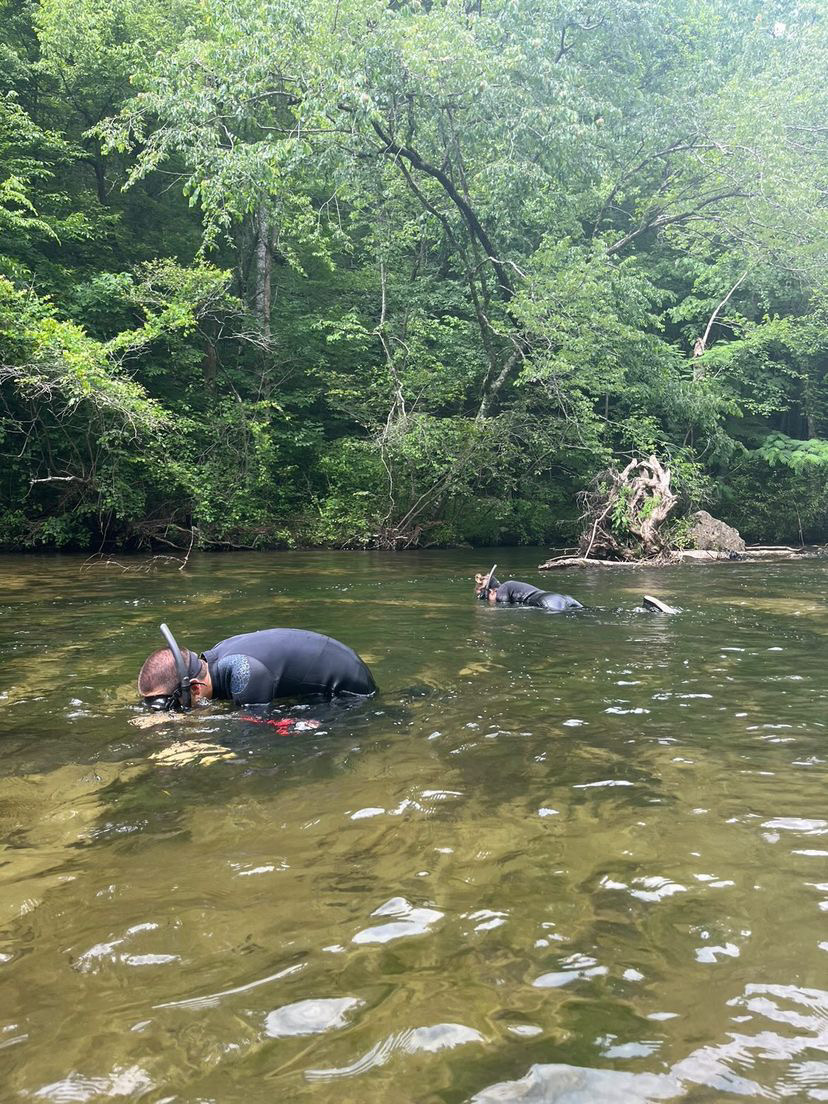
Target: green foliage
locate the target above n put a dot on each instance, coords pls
(677, 533)
(620, 513)
(780, 504)
(349, 504)
(367, 274)
(797, 455)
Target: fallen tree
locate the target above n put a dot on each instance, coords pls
(623, 525)
(624, 511)
(625, 518)
(689, 555)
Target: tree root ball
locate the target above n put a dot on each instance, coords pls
(624, 511)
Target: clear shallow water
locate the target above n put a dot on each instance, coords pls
(567, 858)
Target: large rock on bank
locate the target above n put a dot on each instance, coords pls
(710, 534)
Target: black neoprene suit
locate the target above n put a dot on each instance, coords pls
(515, 593)
(255, 668)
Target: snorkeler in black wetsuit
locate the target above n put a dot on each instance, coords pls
(285, 663)
(516, 593)
(255, 668)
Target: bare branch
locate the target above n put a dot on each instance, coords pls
(719, 307)
(667, 220)
(59, 479)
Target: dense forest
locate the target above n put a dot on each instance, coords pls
(389, 273)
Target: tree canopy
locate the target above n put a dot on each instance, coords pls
(388, 273)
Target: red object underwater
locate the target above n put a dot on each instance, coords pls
(284, 725)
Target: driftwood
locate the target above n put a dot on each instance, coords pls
(623, 518)
(778, 553)
(583, 561)
(687, 555)
(693, 555)
(762, 549)
(700, 555)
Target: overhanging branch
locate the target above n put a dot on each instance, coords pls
(663, 220)
(396, 150)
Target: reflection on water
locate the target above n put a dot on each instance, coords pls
(566, 858)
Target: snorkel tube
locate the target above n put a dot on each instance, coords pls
(182, 694)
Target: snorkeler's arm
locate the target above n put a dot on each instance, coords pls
(506, 593)
(245, 680)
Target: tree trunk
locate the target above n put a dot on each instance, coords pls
(493, 388)
(209, 365)
(263, 266)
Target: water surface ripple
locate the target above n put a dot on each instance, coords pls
(561, 858)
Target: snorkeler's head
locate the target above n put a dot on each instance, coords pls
(483, 584)
(159, 681)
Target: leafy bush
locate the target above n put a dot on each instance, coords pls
(781, 504)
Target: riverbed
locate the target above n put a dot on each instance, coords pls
(564, 858)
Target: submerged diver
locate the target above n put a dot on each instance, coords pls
(516, 593)
(253, 669)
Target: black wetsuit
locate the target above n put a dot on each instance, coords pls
(515, 593)
(255, 668)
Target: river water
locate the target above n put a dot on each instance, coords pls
(570, 858)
